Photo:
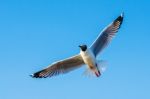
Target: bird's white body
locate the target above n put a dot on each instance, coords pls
(88, 58)
(90, 61)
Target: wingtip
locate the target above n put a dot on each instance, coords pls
(120, 18)
(122, 14)
(32, 75)
(36, 75)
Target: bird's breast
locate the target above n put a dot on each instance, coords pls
(88, 58)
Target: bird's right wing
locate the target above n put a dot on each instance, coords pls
(60, 67)
(106, 35)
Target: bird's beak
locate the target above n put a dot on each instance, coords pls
(80, 46)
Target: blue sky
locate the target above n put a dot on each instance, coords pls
(35, 33)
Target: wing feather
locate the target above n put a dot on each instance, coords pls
(106, 35)
(60, 67)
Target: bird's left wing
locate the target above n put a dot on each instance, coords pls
(106, 35)
(60, 67)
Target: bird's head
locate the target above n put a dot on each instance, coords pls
(83, 47)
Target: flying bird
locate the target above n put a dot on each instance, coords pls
(87, 55)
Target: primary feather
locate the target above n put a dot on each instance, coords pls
(106, 35)
(60, 67)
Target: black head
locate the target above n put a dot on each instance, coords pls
(83, 47)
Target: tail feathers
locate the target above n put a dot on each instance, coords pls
(102, 65)
(88, 73)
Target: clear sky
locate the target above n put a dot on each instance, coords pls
(35, 33)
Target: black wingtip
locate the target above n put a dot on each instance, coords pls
(35, 75)
(31, 75)
(120, 18)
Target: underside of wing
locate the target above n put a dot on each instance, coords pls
(106, 35)
(60, 67)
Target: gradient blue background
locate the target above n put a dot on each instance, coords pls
(35, 33)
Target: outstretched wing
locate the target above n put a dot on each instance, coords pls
(60, 67)
(106, 35)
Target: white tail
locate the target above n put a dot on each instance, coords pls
(88, 73)
(102, 65)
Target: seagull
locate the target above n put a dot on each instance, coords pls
(87, 55)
